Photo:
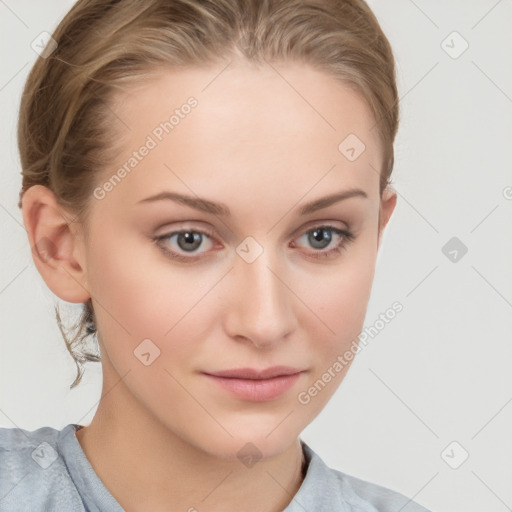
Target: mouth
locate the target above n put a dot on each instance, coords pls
(256, 385)
(254, 373)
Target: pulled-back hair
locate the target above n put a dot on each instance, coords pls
(65, 134)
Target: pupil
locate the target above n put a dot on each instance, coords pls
(191, 240)
(321, 237)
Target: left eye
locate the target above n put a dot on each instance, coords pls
(321, 237)
(188, 241)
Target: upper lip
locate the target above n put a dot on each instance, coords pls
(253, 373)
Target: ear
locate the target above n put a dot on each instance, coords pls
(388, 203)
(56, 244)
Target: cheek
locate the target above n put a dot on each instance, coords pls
(340, 301)
(138, 295)
(133, 286)
(340, 295)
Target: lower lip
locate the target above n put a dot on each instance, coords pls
(257, 390)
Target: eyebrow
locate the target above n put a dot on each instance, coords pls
(214, 208)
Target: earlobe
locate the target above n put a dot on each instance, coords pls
(55, 244)
(387, 206)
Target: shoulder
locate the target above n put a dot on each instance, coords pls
(381, 498)
(33, 474)
(326, 490)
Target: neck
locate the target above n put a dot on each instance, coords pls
(146, 466)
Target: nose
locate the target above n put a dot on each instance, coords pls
(261, 306)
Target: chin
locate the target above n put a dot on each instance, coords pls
(248, 447)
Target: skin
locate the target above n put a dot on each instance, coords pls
(264, 149)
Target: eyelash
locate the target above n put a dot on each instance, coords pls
(347, 238)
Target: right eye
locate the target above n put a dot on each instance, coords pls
(176, 244)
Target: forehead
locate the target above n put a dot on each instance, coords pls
(249, 125)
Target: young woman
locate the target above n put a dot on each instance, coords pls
(211, 179)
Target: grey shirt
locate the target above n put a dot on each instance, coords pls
(47, 470)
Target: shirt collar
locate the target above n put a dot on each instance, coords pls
(321, 490)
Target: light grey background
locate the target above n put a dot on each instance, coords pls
(440, 371)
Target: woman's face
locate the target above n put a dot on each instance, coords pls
(254, 283)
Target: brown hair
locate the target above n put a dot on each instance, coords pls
(63, 132)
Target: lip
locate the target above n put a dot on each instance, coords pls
(254, 373)
(256, 385)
